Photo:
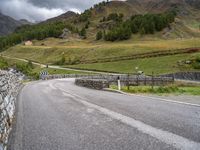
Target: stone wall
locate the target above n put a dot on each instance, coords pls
(134, 80)
(98, 84)
(9, 88)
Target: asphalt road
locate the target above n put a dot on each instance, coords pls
(58, 115)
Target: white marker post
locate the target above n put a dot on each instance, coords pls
(119, 84)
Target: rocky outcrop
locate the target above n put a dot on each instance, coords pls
(9, 88)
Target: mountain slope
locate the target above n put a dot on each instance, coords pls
(8, 24)
(65, 16)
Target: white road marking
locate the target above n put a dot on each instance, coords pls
(164, 136)
(168, 100)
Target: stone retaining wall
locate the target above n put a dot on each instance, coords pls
(125, 79)
(9, 88)
(92, 83)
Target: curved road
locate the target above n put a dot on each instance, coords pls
(58, 115)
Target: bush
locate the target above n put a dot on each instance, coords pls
(30, 64)
(115, 17)
(3, 63)
(83, 33)
(196, 64)
(24, 68)
(99, 35)
(122, 32)
(85, 16)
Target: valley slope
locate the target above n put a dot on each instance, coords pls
(8, 24)
(162, 51)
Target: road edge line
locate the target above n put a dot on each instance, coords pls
(161, 99)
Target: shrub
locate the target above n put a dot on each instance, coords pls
(122, 32)
(99, 35)
(3, 63)
(30, 64)
(83, 33)
(196, 64)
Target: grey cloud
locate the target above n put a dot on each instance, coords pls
(37, 10)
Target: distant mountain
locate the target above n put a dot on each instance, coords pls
(8, 24)
(186, 23)
(25, 22)
(65, 16)
(163, 5)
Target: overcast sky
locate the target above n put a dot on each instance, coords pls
(38, 10)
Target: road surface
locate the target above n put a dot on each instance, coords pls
(58, 115)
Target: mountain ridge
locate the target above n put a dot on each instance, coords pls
(8, 24)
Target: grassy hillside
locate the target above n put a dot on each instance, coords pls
(53, 50)
(82, 50)
(33, 71)
(158, 65)
(162, 26)
(153, 19)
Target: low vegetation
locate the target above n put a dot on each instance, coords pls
(158, 65)
(30, 70)
(196, 63)
(170, 89)
(3, 63)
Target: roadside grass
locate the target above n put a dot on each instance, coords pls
(191, 90)
(161, 90)
(51, 50)
(3, 63)
(33, 71)
(158, 65)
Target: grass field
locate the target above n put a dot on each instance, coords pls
(53, 49)
(158, 65)
(190, 90)
(35, 71)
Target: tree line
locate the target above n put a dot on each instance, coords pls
(38, 32)
(143, 24)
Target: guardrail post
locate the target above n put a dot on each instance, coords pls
(128, 82)
(152, 86)
(118, 83)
